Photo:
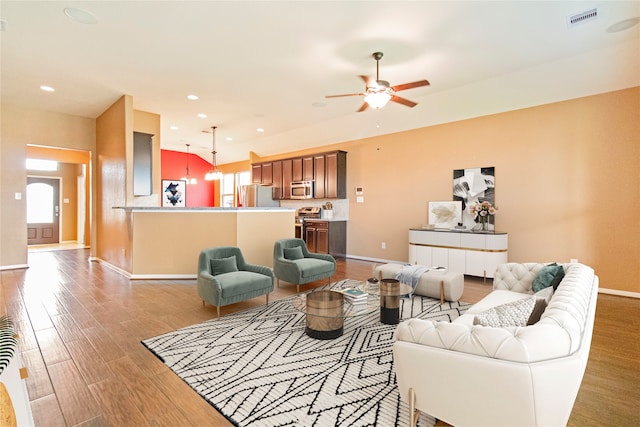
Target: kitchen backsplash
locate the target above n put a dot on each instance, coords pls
(340, 206)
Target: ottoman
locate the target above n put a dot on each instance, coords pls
(448, 286)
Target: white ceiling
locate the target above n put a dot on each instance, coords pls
(270, 64)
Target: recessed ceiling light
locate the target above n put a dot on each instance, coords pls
(81, 16)
(623, 25)
(229, 138)
(47, 88)
(259, 130)
(192, 97)
(173, 127)
(202, 115)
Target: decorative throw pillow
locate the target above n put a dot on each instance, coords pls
(223, 265)
(545, 294)
(293, 253)
(549, 275)
(538, 309)
(515, 313)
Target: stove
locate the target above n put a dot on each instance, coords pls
(301, 215)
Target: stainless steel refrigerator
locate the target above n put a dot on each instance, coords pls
(255, 195)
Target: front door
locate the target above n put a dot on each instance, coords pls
(43, 210)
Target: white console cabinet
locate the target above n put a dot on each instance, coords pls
(474, 254)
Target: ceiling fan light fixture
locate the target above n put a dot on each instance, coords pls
(377, 100)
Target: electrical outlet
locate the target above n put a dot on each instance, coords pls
(573, 260)
(384, 245)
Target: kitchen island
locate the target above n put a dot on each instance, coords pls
(166, 242)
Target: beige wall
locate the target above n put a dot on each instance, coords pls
(567, 183)
(21, 127)
(567, 180)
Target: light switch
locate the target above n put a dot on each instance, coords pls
(360, 199)
(18, 196)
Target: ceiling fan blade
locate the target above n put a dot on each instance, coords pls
(367, 80)
(363, 107)
(346, 94)
(403, 101)
(406, 86)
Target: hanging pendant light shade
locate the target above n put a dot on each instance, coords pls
(187, 177)
(213, 174)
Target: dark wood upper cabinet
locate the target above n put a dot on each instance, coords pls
(267, 173)
(319, 177)
(297, 169)
(277, 179)
(336, 175)
(307, 169)
(256, 174)
(287, 177)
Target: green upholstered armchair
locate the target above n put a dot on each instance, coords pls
(293, 263)
(225, 278)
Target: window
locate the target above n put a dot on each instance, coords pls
(39, 203)
(230, 187)
(42, 165)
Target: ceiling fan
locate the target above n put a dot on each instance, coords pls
(378, 92)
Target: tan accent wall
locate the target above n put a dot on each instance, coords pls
(21, 127)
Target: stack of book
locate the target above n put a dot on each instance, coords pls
(355, 296)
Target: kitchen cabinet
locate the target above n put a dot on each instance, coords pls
(296, 171)
(307, 169)
(256, 174)
(328, 171)
(326, 237)
(277, 179)
(319, 176)
(336, 175)
(287, 177)
(267, 173)
(474, 254)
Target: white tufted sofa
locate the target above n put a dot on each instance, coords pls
(470, 375)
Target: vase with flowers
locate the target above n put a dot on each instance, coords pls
(481, 212)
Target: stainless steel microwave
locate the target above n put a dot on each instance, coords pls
(302, 190)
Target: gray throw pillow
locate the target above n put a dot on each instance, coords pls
(223, 265)
(514, 313)
(293, 253)
(549, 275)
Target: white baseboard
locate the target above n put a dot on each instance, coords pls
(13, 267)
(143, 276)
(380, 260)
(619, 293)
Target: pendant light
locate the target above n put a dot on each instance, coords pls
(214, 174)
(187, 177)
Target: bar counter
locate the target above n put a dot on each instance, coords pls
(166, 242)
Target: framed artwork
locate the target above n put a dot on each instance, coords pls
(471, 186)
(174, 193)
(445, 214)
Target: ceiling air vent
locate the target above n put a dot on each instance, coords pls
(581, 18)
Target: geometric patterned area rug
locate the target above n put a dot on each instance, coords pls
(259, 368)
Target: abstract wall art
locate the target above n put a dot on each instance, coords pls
(471, 186)
(445, 214)
(174, 193)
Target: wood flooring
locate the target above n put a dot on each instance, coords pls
(80, 326)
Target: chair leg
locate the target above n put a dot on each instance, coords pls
(218, 310)
(278, 282)
(267, 299)
(203, 303)
(297, 289)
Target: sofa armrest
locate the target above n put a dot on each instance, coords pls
(324, 257)
(260, 269)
